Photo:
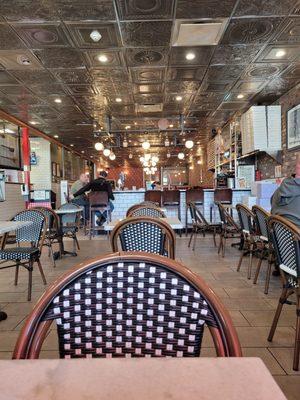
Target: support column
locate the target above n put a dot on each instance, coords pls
(26, 162)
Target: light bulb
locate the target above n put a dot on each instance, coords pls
(178, 98)
(99, 146)
(147, 157)
(112, 156)
(95, 35)
(146, 145)
(155, 159)
(106, 152)
(280, 53)
(103, 58)
(181, 156)
(153, 163)
(189, 144)
(125, 143)
(168, 155)
(167, 142)
(130, 156)
(190, 56)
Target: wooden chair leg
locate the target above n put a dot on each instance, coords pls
(17, 274)
(282, 299)
(52, 255)
(30, 268)
(221, 243)
(195, 237)
(192, 234)
(268, 276)
(251, 247)
(258, 268)
(41, 272)
(297, 337)
(76, 241)
(214, 237)
(224, 244)
(240, 260)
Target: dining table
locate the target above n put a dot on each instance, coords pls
(174, 222)
(138, 379)
(5, 228)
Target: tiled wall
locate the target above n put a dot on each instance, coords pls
(14, 201)
(265, 163)
(40, 174)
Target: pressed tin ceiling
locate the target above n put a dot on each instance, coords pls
(51, 72)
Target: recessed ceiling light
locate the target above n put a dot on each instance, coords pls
(56, 136)
(118, 99)
(103, 58)
(178, 98)
(72, 145)
(57, 100)
(33, 122)
(280, 53)
(95, 35)
(190, 56)
(82, 151)
(240, 96)
(171, 126)
(127, 127)
(135, 123)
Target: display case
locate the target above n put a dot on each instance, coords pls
(10, 154)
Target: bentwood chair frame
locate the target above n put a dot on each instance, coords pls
(171, 198)
(53, 232)
(195, 196)
(264, 244)
(286, 241)
(154, 307)
(229, 228)
(160, 239)
(145, 210)
(26, 256)
(154, 196)
(200, 224)
(246, 218)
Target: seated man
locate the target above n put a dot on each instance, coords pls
(99, 185)
(286, 199)
(81, 200)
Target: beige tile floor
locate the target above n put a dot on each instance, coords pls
(251, 310)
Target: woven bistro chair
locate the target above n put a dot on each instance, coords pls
(229, 228)
(147, 234)
(195, 196)
(246, 218)
(53, 232)
(264, 244)
(200, 224)
(140, 210)
(129, 305)
(29, 241)
(286, 241)
(69, 223)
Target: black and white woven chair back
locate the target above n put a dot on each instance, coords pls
(262, 223)
(147, 212)
(129, 309)
(245, 218)
(192, 209)
(143, 236)
(31, 233)
(286, 242)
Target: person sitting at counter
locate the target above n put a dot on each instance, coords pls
(99, 185)
(286, 199)
(81, 200)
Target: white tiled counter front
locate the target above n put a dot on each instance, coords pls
(125, 199)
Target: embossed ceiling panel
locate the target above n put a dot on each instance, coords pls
(250, 30)
(204, 8)
(38, 36)
(264, 7)
(145, 9)
(55, 72)
(137, 34)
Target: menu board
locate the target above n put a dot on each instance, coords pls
(9, 146)
(246, 175)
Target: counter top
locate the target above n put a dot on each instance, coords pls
(129, 191)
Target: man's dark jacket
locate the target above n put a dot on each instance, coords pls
(97, 185)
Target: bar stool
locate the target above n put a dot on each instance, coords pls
(223, 196)
(171, 198)
(98, 202)
(195, 196)
(154, 196)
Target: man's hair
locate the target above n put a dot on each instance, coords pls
(103, 174)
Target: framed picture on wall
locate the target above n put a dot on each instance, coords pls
(293, 128)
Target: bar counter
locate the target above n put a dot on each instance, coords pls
(127, 198)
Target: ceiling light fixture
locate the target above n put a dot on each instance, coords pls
(95, 35)
(190, 56)
(99, 146)
(146, 145)
(33, 122)
(189, 144)
(147, 157)
(240, 96)
(57, 100)
(171, 126)
(155, 159)
(130, 156)
(280, 53)
(106, 152)
(127, 127)
(125, 143)
(118, 99)
(167, 142)
(178, 98)
(72, 145)
(168, 155)
(181, 156)
(56, 136)
(112, 156)
(103, 58)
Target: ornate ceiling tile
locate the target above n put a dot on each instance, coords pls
(77, 89)
(148, 88)
(145, 9)
(38, 36)
(147, 75)
(60, 58)
(186, 74)
(182, 86)
(230, 105)
(109, 35)
(204, 8)
(33, 10)
(72, 76)
(8, 39)
(81, 10)
(109, 74)
(224, 72)
(114, 58)
(292, 72)
(148, 98)
(7, 79)
(249, 86)
(202, 55)
(264, 7)
(14, 90)
(263, 70)
(215, 86)
(287, 53)
(137, 34)
(147, 56)
(235, 54)
(41, 90)
(38, 77)
(290, 33)
(250, 30)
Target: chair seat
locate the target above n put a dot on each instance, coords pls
(19, 253)
(69, 229)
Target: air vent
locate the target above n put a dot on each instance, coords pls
(198, 33)
(149, 108)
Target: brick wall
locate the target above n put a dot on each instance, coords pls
(265, 163)
(134, 175)
(199, 175)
